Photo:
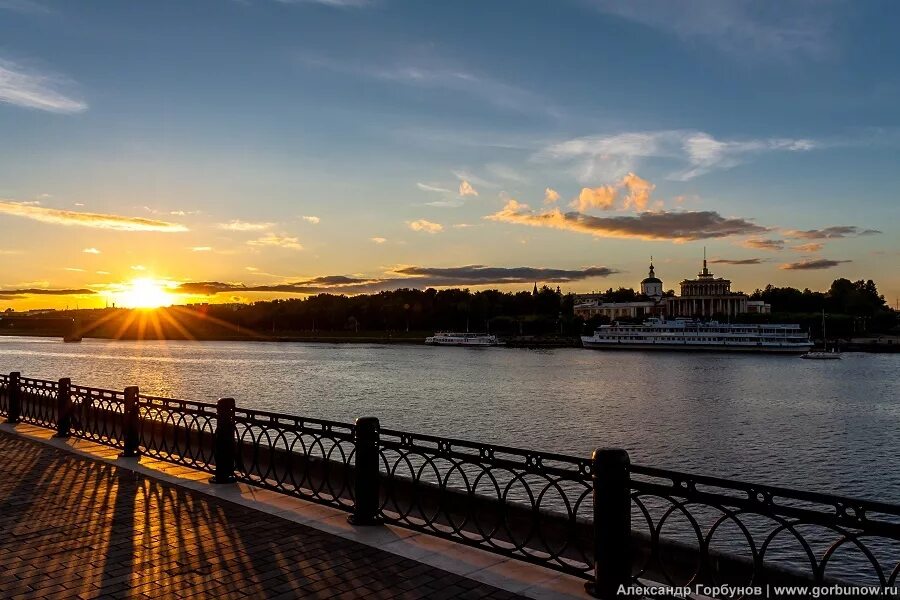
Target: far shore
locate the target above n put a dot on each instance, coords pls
(400, 338)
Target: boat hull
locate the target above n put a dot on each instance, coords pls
(688, 347)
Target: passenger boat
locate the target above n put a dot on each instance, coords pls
(462, 339)
(687, 334)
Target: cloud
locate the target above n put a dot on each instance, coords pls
(761, 244)
(662, 225)
(812, 265)
(738, 261)
(27, 7)
(201, 249)
(426, 226)
(378, 240)
(18, 293)
(35, 90)
(238, 225)
(311, 219)
(830, 233)
(550, 196)
(278, 241)
(138, 268)
(613, 156)
(95, 220)
(777, 31)
(333, 3)
(74, 269)
(466, 189)
(810, 247)
(603, 197)
(408, 277)
(91, 251)
(639, 191)
(435, 74)
(433, 188)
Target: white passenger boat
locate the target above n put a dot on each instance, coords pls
(686, 334)
(462, 339)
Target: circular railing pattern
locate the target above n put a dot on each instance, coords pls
(98, 415)
(178, 431)
(39, 400)
(529, 505)
(308, 458)
(714, 531)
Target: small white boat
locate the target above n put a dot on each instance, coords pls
(823, 354)
(446, 338)
(820, 355)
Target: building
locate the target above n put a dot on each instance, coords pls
(705, 297)
(593, 305)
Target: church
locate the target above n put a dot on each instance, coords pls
(704, 297)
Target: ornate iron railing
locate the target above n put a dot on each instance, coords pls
(746, 534)
(304, 457)
(601, 519)
(39, 401)
(178, 431)
(530, 505)
(98, 415)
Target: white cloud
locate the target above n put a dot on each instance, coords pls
(238, 225)
(378, 240)
(550, 196)
(91, 251)
(201, 249)
(605, 157)
(311, 219)
(35, 90)
(425, 187)
(466, 189)
(276, 240)
(425, 226)
(781, 31)
(138, 268)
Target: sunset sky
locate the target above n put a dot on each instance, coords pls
(247, 149)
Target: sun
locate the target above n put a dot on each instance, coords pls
(143, 293)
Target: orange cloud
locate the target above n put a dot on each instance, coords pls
(639, 191)
(550, 196)
(603, 197)
(83, 219)
(466, 189)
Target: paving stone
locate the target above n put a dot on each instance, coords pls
(73, 528)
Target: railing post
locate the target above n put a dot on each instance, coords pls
(14, 394)
(224, 442)
(63, 407)
(131, 426)
(612, 522)
(366, 505)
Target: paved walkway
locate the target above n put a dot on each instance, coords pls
(79, 528)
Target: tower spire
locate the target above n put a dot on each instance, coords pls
(705, 270)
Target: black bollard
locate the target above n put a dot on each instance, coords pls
(612, 523)
(224, 442)
(365, 507)
(63, 407)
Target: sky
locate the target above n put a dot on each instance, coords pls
(232, 150)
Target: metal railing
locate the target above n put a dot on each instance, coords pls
(599, 518)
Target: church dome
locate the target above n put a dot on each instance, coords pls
(652, 280)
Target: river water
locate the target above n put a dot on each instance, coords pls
(829, 426)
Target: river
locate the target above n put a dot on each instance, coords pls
(827, 426)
